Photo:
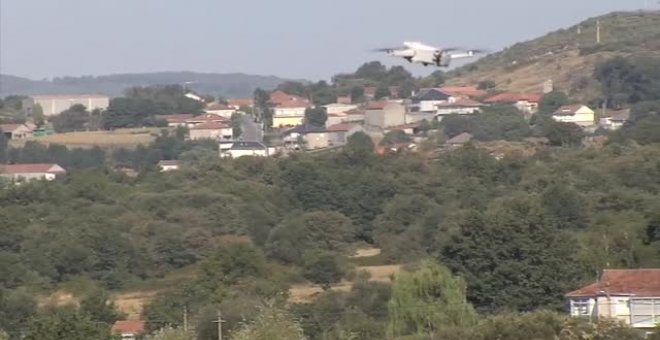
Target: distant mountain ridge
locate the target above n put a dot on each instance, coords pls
(230, 85)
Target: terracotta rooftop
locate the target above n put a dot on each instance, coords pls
(292, 104)
(128, 327)
(175, 118)
(31, 168)
(468, 91)
(240, 102)
(637, 282)
(9, 127)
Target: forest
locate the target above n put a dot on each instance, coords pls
(482, 239)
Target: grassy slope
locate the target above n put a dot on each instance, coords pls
(566, 57)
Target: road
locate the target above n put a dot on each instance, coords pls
(251, 131)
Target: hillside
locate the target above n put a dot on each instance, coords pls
(227, 85)
(567, 56)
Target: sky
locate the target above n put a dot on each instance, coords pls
(302, 39)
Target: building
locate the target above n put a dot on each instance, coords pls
(237, 104)
(614, 120)
(202, 119)
(527, 103)
(219, 110)
(339, 133)
(344, 100)
(29, 172)
(629, 295)
(581, 115)
(128, 329)
(425, 100)
(55, 104)
(457, 107)
(459, 140)
(176, 120)
(16, 131)
(211, 130)
(289, 113)
(385, 114)
(418, 117)
(236, 149)
(168, 165)
(339, 108)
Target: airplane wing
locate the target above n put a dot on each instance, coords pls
(419, 46)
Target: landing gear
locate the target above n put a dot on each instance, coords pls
(409, 59)
(425, 64)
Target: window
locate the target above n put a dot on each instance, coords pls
(580, 307)
(645, 312)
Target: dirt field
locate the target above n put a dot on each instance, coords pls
(133, 303)
(86, 139)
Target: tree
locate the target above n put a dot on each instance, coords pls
(622, 81)
(382, 92)
(552, 101)
(66, 324)
(4, 147)
(99, 307)
(395, 137)
(428, 301)
(499, 255)
(323, 268)
(316, 116)
(38, 115)
(271, 323)
(170, 333)
(75, 118)
(359, 148)
(563, 134)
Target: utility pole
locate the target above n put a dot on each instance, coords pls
(219, 321)
(597, 31)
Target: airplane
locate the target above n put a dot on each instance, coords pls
(417, 52)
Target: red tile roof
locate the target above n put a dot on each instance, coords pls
(9, 127)
(292, 104)
(178, 118)
(468, 91)
(240, 102)
(207, 118)
(377, 105)
(638, 282)
(128, 327)
(278, 97)
(210, 126)
(31, 168)
(511, 97)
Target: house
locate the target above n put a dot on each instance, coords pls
(339, 133)
(527, 103)
(579, 114)
(409, 129)
(471, 92)
(236, 149)
(614, 120)
(346, 100)
(219, 109)
(629, 295)
(29, 172)
(237, 104)
(202, 119)
(336, 118)
(211, 130)
(296, 136)
(290, 113)
(418, 117)
(385, 114)
(459, 107)
(128, 329)
(356, 115)
(56, 104)
(459, 140)
(176, 120)
(168, 165)
(339, 108)
(193, 96)
(16, 131)
(425, 100)
(280, 97)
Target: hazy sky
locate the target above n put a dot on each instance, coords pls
(289, 38)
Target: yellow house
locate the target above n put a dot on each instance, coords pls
(291, 113)
(629, 295)
(581, 115)
(282, 121)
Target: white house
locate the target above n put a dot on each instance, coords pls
(219, 110)
(614, 120)
(235, 149)
(168, 165)
(16, 131)
(581, 115)
(211, 130)
(629, 295)
(527, 103)
(458, 107)
(425, 100)
(289, 113)
(29, 172)
(339, 108)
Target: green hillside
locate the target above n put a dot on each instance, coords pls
(567, 56)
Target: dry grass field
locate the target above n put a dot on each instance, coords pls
(88, 139)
